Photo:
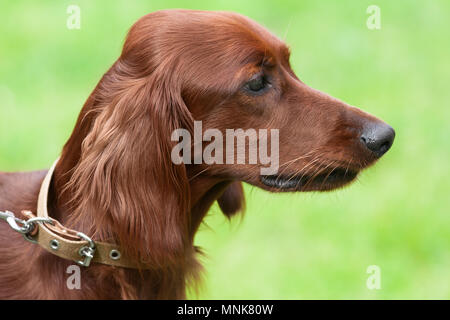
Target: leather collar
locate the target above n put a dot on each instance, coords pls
(70, 244)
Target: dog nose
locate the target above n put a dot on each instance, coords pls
(378, 137)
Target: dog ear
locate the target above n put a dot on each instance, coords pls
(125, 178)
(232, 200)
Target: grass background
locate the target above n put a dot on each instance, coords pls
(288, 246)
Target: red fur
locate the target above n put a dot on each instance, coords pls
(116, 181)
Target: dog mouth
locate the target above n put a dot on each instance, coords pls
(325, 181)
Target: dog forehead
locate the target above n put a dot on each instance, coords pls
(223, 31)
(245, 32)
(218, 36)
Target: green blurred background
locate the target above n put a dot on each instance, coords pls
(288, 246)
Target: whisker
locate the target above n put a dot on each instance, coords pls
(327, 176)
(316, 173)
(300, 171)
(296, 159)
(309, 165)
(199, 173)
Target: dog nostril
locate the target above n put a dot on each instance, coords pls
(385, 146)
(378, 138)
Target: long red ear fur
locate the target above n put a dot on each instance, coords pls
(125, 179)
(232, 200)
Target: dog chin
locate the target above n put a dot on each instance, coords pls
(327, 181)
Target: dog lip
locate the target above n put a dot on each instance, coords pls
(281, 182)
(327, 180)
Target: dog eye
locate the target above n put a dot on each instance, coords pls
(257, 84)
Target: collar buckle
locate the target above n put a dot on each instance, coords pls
(86, 252)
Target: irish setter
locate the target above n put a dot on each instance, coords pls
(116, 181)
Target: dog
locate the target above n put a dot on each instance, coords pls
(117, 182)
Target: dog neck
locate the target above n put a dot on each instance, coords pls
(204, 191)
(203, 194)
